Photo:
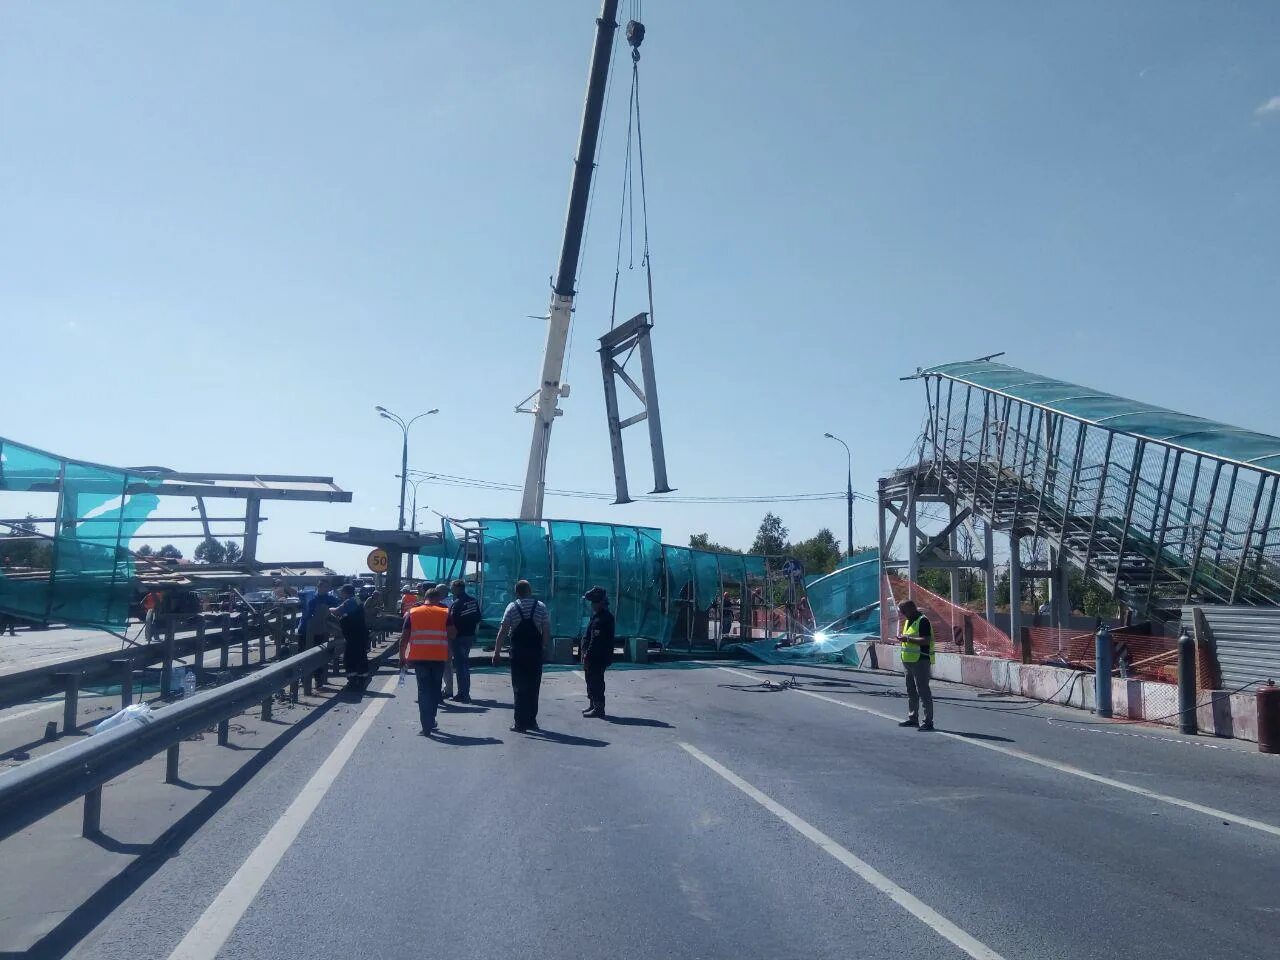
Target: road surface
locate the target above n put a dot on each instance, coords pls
(715, 817)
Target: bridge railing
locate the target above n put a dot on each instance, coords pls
(181, 637)
(39, 787)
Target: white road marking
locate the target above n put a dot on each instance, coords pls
(49, 705)
(27, 713)
(206, 938)
(1063, 768)
(913, 905)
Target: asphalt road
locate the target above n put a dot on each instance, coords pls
(712, 817)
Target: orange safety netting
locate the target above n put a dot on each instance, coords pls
(949, 621)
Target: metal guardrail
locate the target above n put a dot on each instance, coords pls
(67, 676)
(39, 787)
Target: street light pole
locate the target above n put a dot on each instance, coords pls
(848, 491)
(399, 421)
(413, 522)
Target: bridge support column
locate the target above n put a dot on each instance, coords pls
(953, 544)
(989, 572)
(913, 555)
(1015, 590)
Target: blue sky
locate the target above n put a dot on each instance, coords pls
(228, 230)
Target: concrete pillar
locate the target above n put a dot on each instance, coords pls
(637, 650)
(953, 543)
(989, 572)
(913, 552)
(1015, 590)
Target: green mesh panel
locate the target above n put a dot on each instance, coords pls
(651, 623)
(567, 557)
(678, 627)
(441, 562)
(852, 587)
(706, 572)
(82, 572)
(500, 566)
(534, 556)
(1196, 434)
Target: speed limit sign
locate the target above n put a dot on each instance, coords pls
(377, 560)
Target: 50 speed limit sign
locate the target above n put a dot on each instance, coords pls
(377, 560)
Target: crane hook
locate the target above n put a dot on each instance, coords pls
(635, 37)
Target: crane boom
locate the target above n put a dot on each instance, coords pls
(562, 293)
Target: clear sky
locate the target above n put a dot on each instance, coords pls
(228, 230)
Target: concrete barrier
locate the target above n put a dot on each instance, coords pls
(1233, 715)
(1228, 715)
(947, 666)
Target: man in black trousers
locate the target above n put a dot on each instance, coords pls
(528, 624)
(597, 650)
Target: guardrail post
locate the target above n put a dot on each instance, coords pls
(1187, 683)
(224, 732)
(278, 633)
(293, 689)
(171, 764)
(71, 700)
(262, 642)
(224, 644)
(1102, 672)
(200, 641)
(266, 706)
(126, 681)
(91, 825)
(166, 676)
(968, 635)
(245, 627)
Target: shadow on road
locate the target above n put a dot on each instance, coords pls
(566, 738)
(637, 722)
(458, 740)
(976, 736)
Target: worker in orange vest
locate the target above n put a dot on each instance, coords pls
(424, 643)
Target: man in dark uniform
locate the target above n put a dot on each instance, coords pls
(597, 650)
(464, 616)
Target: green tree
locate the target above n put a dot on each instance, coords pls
(232, 550)
(169, 552)
(209, 550)
(144, 550)
(28, 548)
(702, 541)
(820, 553)
(771, 538)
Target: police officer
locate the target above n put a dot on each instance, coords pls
(918, 654)
(597, 650)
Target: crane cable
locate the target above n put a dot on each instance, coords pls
(626, 215)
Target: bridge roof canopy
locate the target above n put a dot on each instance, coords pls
(1194, 434)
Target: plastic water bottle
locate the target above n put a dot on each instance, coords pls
(176, 678)
(400, 682)
(188, 683)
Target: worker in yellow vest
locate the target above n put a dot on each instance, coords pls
(424, 644)
(918, 654)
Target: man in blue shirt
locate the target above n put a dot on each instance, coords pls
(313, 628)
(464, 617)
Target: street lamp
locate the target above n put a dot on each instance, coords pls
(413, 503)
(399, 421)
(849, 489)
